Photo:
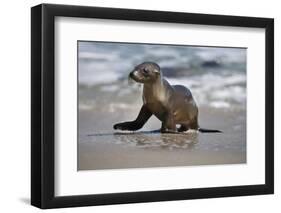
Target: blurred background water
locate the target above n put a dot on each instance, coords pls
(215, 75)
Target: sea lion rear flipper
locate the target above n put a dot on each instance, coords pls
(209, 130)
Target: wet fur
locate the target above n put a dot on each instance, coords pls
(171, 104)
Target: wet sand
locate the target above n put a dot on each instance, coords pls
(100, 147)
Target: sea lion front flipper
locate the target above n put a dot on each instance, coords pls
(168, 125)
(143, 116)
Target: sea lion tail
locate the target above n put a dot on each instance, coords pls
(209, 130)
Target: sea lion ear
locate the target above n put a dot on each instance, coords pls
(156, 71)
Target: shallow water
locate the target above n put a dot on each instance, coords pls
(150, 139)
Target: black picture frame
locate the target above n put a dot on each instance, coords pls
(43, 105)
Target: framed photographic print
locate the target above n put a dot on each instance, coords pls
(139, 106)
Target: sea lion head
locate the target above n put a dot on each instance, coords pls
(146, 72)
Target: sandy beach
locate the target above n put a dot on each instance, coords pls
(100, 147)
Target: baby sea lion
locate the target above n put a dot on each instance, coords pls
(171, 104)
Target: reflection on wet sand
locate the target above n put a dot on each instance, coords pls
(152, 139)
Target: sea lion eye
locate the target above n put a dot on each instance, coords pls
(145, 71)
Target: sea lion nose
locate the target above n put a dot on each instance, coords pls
(133, 73)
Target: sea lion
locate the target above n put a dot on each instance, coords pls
(171, 104)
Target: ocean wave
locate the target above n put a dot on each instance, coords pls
(216, 76)
(110, 107)
(216, 90)
(111, 61)
(208, 90)
(223, 55)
